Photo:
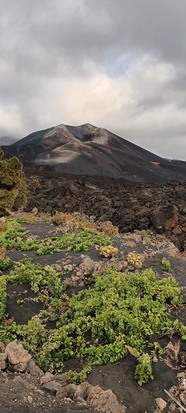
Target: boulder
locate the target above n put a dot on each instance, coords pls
(52, 387)
(18, 357)
(67, 391)
(165, 218)
(86, 267)
(81, 393)
(33, 369)
(46, 378)
(84, 393)
(104, 401)
(63, 379)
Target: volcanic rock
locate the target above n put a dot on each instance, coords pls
(3, 358)
(165, 218)
(18, 357)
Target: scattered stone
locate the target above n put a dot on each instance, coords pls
(34, 211)
(84, 393)
(59, 268)
(87, 266)
(172, 407)
(18, 357)
(51, 387)
(3, 358)
(177, 230)
(68, 400)
(67, 391)
(2, 347)
(30, 399)
(73, 189)
(183, 397)
(104, 401)
(161, 404)
(129, 243)
(120, 265)
(33, 369)
(46, 378)
(81, 393)
(63, 379)
(68, 267)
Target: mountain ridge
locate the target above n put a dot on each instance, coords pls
(87, 149)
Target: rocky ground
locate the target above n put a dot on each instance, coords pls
(128, 205)
(131, 206)
(22, 392)
(25, 391)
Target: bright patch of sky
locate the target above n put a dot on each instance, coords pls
(117, 67)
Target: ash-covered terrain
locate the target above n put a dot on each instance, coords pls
(90, 150)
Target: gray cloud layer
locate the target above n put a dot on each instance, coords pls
(119, 65)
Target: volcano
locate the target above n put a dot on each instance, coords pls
(90, 150)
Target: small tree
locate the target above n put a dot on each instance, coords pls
(12, 184)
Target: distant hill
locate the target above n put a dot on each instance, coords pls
(89, 150)
(7, 140)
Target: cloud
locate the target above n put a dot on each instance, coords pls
(116, 64)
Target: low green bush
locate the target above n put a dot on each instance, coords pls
(118, 313)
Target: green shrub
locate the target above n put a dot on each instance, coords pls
(2, 296)
(118, 313)
(166, 264)
(4, 263)
(12, 184)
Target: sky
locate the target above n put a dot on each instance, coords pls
(119, 65)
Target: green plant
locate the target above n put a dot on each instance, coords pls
(81, 241)
(4, 263)
(118, 313)
(12, 184)
(142, 233)
(25, 271)
(2, 296)
(20, 198)
(76, 377)
(19, 301)
(12, 235)
(135, 259)
(108, 251)
(143, 370)
(166, 264)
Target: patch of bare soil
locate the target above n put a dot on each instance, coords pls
(23, 392)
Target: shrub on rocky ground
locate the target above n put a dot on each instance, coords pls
(12, 184)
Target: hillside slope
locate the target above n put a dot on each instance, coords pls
(89, 150)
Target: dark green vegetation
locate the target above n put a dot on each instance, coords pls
(12, 184)
(76, 241)
(117, 314)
